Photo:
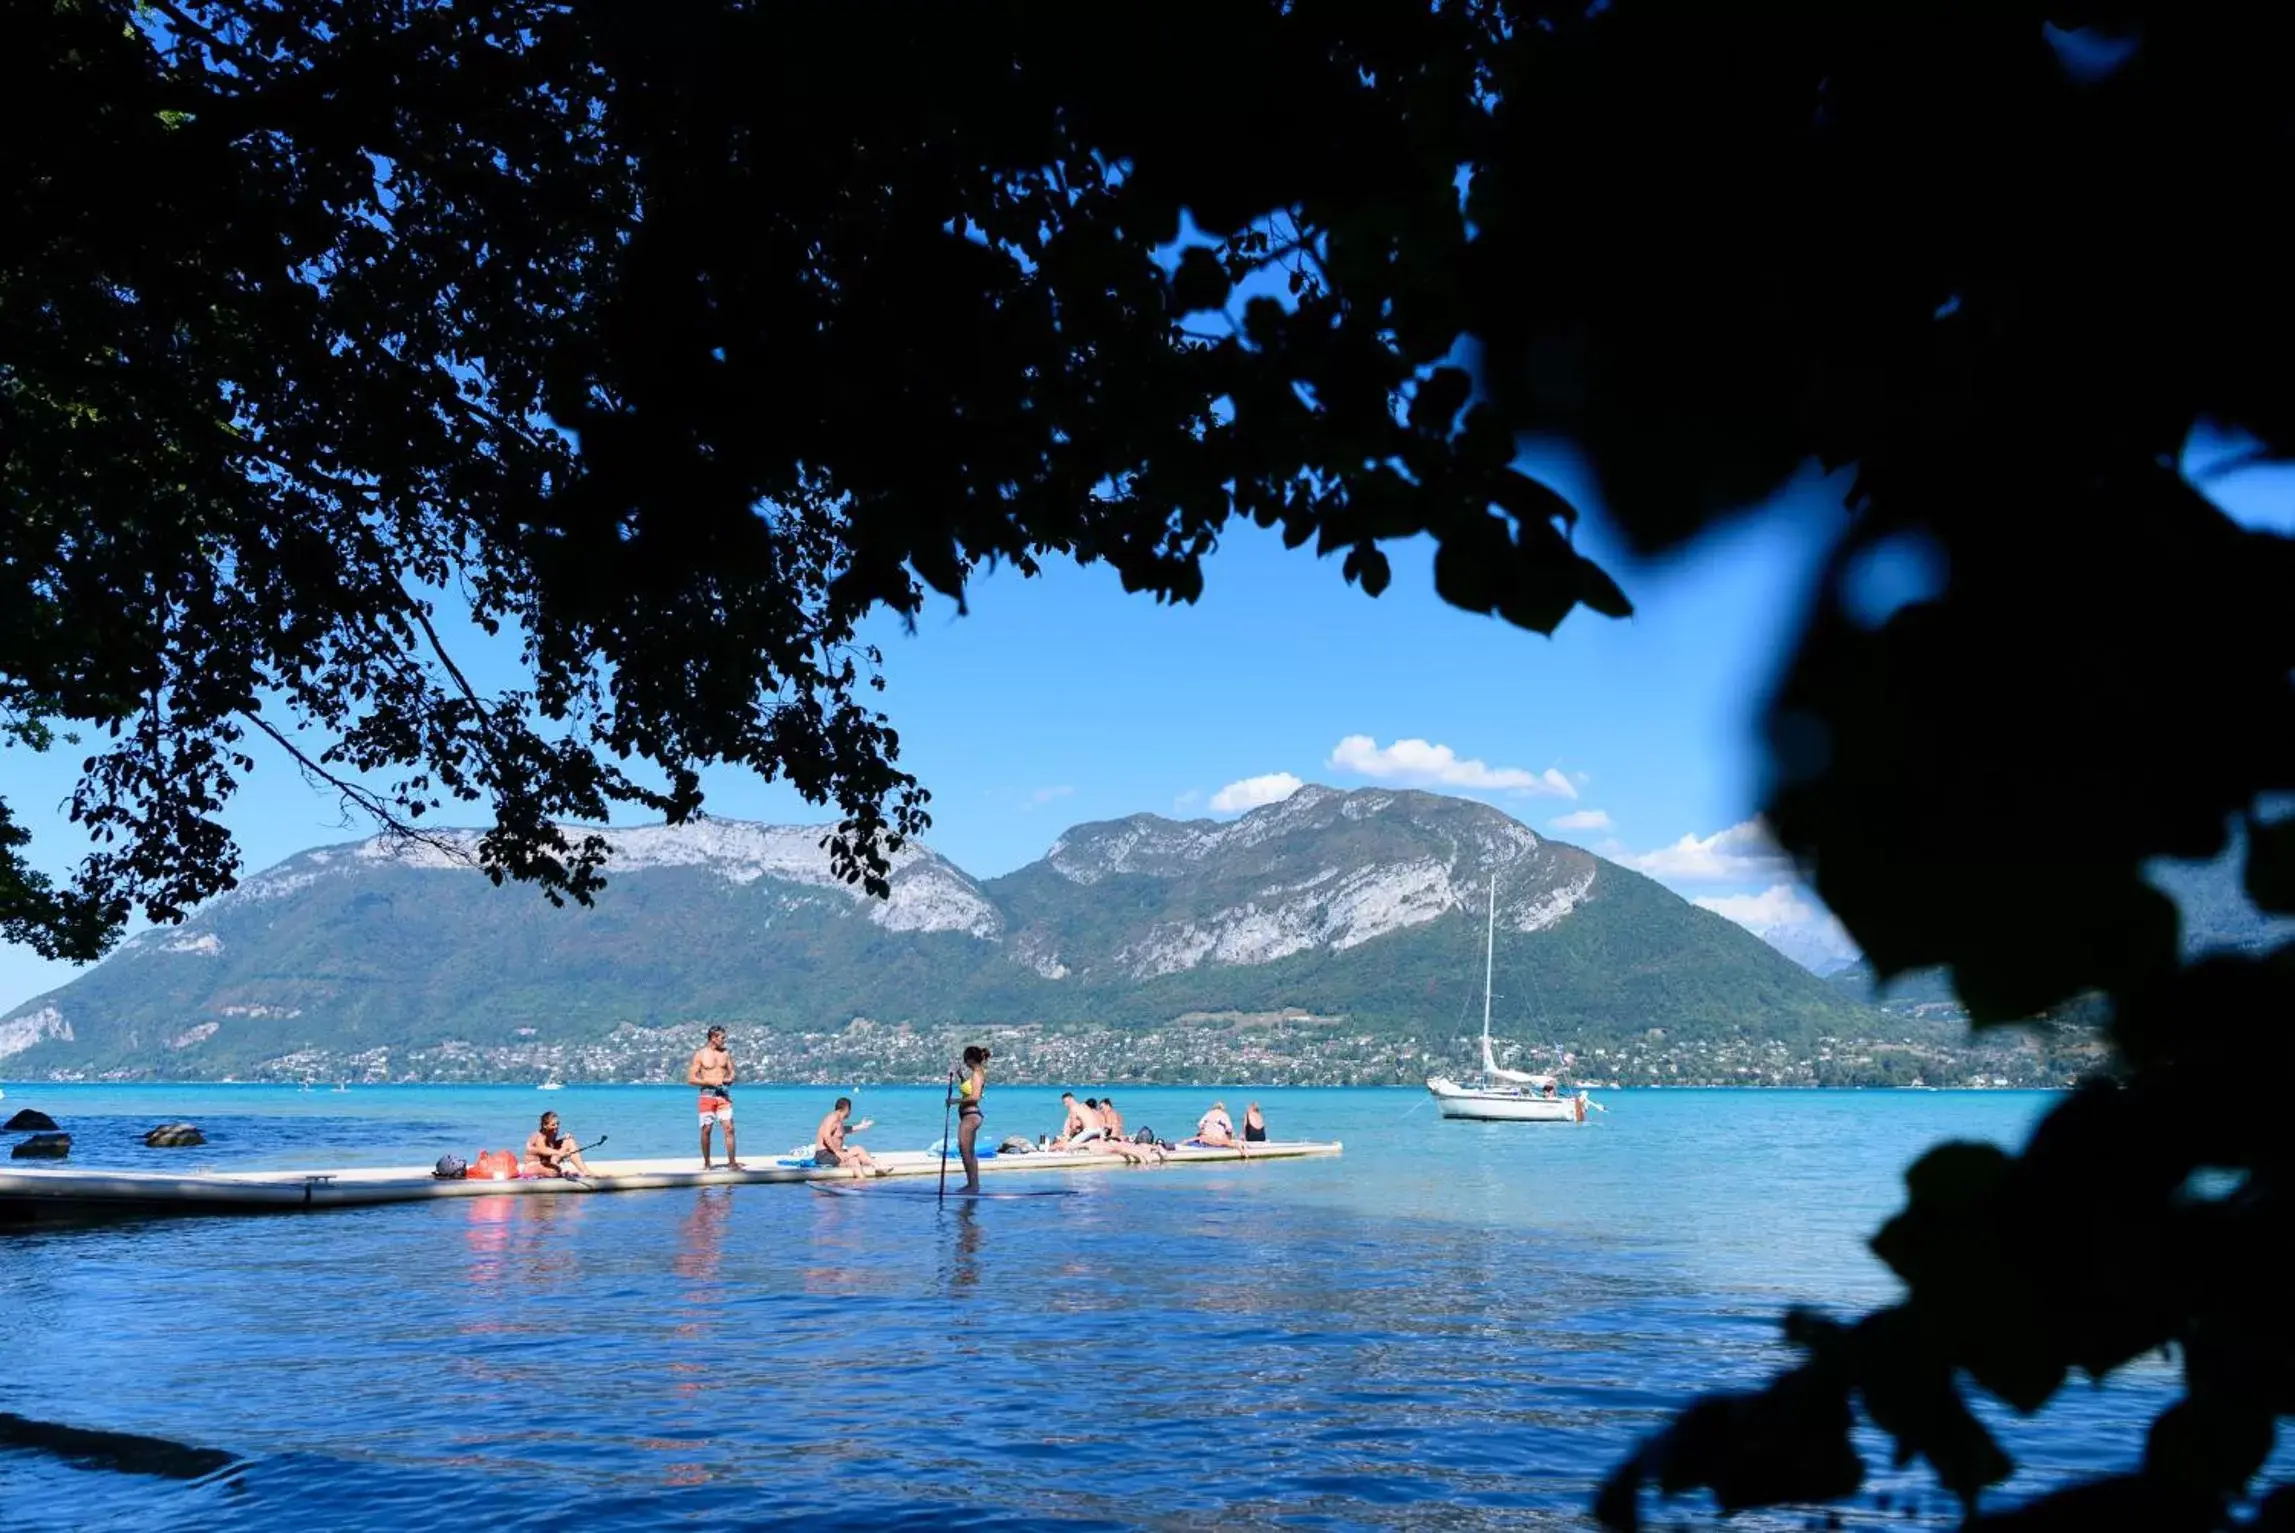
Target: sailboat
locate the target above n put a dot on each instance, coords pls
(1498, 1095)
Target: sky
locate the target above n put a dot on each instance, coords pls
(1062, 699)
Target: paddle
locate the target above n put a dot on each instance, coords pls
(948, 1100)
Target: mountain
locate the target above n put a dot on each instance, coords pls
(1328, 915)
(1812, 945)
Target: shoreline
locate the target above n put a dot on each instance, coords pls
(330, 1089)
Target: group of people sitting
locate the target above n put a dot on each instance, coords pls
(1217, 1130)
(1095, 1123)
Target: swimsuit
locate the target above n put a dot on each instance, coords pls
(967, 1099)
(716, 1104)
(537, 1166)
(1255, 1133)
(824, 1156)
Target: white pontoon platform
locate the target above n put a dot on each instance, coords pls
(60, 1192)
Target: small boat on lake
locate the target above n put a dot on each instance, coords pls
(1499, 1095)
(551, 1085)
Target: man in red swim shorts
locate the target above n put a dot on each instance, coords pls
(712, 1071)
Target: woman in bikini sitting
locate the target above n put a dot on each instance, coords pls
(552, 1152)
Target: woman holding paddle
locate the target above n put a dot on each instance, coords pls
(971, 1083)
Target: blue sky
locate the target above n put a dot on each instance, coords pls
(1062, 699)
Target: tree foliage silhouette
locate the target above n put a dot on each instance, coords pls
(684, 339)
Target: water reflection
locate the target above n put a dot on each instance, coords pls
(700, 1253)
(486, 1235)
(701, 1236)
(964, 1265)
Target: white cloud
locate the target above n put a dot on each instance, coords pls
(1251, 792)
(1430, 765)
(1582, 819)
(1187, 801)
(1789, 921)
(1046, 795)
(1738, 855)
(1777, 905)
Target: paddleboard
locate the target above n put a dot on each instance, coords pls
(866, 1189)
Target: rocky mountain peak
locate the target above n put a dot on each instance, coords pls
(929, 893)
(1322, 870)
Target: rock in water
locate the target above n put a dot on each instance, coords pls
(173, 1136)
(29, 1121)
(42, 1147)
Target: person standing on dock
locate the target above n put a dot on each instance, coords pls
(712, 1070)
(971, 1085)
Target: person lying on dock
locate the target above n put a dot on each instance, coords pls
(1114, 1142)
(1216, 1129)
(1083, 1125)
(831, 1149)
(550, 1151)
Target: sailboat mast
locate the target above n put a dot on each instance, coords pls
(1489, 960)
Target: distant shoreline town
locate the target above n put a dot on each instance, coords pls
(1222, 1050)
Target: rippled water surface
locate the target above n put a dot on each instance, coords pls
(1452, 1325)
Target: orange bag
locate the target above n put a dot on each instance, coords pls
(493, 1166)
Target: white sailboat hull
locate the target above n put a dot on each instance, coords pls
(1504, 1104)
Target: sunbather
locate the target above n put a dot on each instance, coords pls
(1082, 1127)
(1115, 1142)
(830, 1147)
(552, 1152)
(1216, 1129)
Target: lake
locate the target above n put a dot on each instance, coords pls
(1453, 1325)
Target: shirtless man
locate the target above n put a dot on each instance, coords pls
(712, 1071)
(1082, 1127)
(830, 1148)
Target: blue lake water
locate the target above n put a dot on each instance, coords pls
(1453, 1325)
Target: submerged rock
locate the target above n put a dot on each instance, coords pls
(42, 1147)
(28, 1121)
(172, 1136)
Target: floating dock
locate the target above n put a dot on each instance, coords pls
(63, 1193)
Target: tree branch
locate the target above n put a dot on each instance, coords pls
(363, 798)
